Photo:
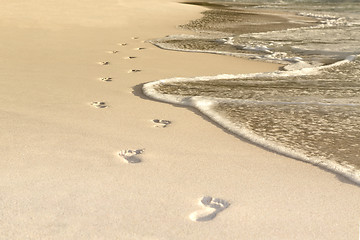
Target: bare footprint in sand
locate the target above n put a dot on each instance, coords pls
(135, 38)
(99, 104)
(106, 79)
(134, 70)
(130, 57)
(104, 63)
(139, 48)
(113, 51)
(122, 44)
(161, 123)
(212, 206)
(131, 156)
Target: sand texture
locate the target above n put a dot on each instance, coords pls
(85, 155)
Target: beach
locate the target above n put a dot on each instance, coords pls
(86, 155)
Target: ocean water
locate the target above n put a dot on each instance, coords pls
(310, 108)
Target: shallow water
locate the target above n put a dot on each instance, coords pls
(311, 108)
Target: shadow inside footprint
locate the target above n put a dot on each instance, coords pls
(213, 206)
(130, 57)
(161, 123)
(104, 63)
(131, 156)
(134, 70)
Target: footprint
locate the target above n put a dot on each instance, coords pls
(135, 38)
(161, 123)
(130, 57)
(139, 48)
(213, 206)
(106, 79)
(134, 71)
(99, 104)
(113, 52)
(104, 63)
(131, 156)
(122, 44)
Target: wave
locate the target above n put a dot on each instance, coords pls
(206, 106)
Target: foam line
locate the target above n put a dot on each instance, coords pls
(204, 105)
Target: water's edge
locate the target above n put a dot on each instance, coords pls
(204, 106)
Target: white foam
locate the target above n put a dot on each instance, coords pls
(292, 63)
(230, 40)
(297, 66)
(259, 48)
(326, 20)
(348, 59)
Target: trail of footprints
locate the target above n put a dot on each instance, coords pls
(109, 79)
(210, 207)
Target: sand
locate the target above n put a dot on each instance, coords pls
(83, 158)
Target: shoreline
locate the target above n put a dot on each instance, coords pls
(61, 173)
(204, 107)
(201, 41)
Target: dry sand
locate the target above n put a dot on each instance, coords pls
(60, 173)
